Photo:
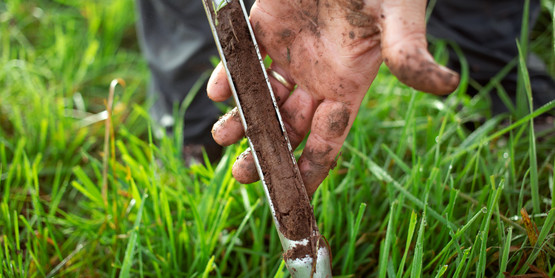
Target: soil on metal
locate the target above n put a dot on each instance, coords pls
(292, 206)
(301, 251)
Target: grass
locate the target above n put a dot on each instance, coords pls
(415, 194)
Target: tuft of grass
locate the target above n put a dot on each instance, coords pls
(415, 192)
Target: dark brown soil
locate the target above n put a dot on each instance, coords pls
(291, 203)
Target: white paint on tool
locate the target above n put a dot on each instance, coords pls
(289, 244)
(302, 267)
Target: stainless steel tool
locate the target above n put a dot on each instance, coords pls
(319, 264)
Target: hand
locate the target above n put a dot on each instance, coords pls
(330, 49)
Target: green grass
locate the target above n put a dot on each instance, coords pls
(415, 192)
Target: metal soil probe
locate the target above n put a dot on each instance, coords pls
(306, 254)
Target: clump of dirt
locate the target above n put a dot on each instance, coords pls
(285, 185)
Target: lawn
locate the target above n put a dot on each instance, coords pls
(424, 187)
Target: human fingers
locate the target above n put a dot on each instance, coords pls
(218, 87)
(296, 113)
(404, 48)
(330, 126)
(244, 168)
(281, 82)
(228, 129)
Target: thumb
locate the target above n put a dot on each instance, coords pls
(404, 48)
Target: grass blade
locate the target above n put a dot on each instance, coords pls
(410, 233)
(280, 273)
(88, 188)
(484, 230)
(534, 188)
(239, 230)
(348, 265)
(209, 267)
(461, 263)
(504, 260)
(441, 271)
(128, 259)
(416, 271)
(386, 243)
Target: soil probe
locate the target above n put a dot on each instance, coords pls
(306, 253)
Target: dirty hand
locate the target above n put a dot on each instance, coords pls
(331, 50)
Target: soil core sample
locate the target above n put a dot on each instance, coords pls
(284, 183)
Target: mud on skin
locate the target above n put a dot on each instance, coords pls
(364, 24)
(425, 73)
(337, 121)
(244, 169)
(220, 134)
(320, 164)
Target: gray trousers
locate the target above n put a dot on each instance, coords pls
(177, 43)
(486, 32)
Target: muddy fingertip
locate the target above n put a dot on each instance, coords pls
(244, 169)
(420, 71)
(228, 129)
(451, 80)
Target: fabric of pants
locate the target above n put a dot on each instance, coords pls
(176, 41)
(486, 31)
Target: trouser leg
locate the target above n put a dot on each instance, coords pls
(177, 43)
(486, 32)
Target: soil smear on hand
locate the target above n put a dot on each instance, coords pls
(285, 185)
